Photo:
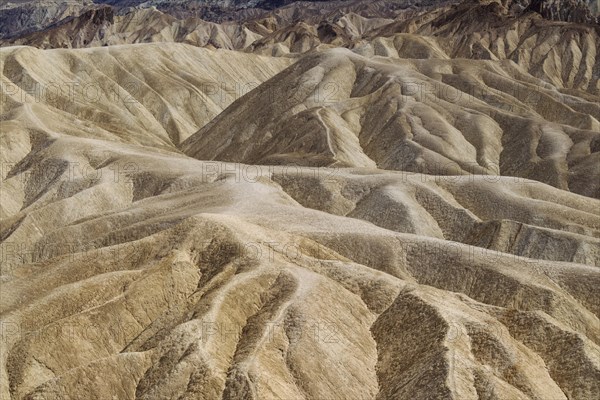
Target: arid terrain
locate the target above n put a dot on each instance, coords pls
(338, 200)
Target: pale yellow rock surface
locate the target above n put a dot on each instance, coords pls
(324, 232)
(436, 116)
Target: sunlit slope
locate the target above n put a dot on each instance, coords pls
(399, 219)
(150, 94)
(437, 116)
(193, 279)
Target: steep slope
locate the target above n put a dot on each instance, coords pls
(563, 54)
(415, 217)
(190, 279)
(285, 11)
(110, 92)
(436, 116)
(19, 17)
(103, 26)
(584, 11)
(560, 53)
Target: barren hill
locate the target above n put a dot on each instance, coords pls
(434, 115)
(362, 207)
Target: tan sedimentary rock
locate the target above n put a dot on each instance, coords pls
(390, 221)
